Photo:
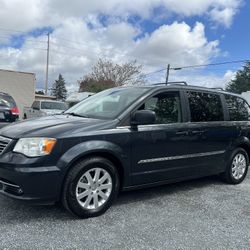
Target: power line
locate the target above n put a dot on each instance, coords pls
(72, 42)
(196, 66)
(154, 72)
(26, 40)
(209, 64)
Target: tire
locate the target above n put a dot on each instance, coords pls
(85, 195)
(230, 175)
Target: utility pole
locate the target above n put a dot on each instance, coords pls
(167, 75)
(47, 68)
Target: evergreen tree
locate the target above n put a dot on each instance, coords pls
(241, 83)
(59, 90)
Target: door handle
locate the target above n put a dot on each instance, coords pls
(181, 133)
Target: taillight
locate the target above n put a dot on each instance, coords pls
(15, 111)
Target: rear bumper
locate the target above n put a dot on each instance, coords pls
(39, 185)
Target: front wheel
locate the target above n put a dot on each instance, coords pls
(90, 187)
(237, 167)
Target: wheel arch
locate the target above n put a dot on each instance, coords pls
(246, 147)
(107, 155)
(242, 142)
(103, 149)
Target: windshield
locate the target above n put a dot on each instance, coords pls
(6, 100)
(53, 105)
(107, 104)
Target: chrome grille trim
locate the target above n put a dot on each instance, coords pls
(4, 142)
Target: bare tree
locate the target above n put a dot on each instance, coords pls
(106, 74)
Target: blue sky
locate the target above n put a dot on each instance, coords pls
(154, 33)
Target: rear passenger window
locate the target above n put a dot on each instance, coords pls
(238, 108)
(205, 107)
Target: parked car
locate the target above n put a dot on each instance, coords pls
(8, 109)
(122, 139)
(43, 108)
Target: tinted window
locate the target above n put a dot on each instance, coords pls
(7, 100)
(53, 105)
(238, 108)
(166, 106)
(108, 104)
(205, 107)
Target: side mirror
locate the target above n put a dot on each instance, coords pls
(143, 117)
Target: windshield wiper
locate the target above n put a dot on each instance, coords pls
(75, 114)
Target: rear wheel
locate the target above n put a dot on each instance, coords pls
(237, 167)
(90, 187)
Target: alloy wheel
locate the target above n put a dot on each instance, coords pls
(239, 166)
(94, 188)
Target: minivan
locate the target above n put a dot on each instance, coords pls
(125, 138)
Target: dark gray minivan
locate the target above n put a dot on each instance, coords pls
(125, 138)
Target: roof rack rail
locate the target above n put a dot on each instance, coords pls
(182, 82)
(218, 88)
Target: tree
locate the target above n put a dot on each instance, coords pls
(59, 90)
(241, 83)
(106, 74)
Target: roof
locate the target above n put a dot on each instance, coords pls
(184, 85)
(14, 71)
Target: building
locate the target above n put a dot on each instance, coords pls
(20, 85)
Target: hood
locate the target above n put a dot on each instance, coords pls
(53, 126)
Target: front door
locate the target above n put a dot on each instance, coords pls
(161, 151)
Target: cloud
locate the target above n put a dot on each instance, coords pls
(115, 38)
(203, 78)
(31, 14)
(177, 43)
(224, 16)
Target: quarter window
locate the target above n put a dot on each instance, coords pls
(167, 107)
(205, 107)
(238, 108)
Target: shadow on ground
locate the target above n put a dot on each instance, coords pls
(16, 210)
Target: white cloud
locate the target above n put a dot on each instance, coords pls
(201, 78)
(31, 14)
(223, 16)
(176, 43)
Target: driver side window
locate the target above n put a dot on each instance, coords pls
(167, 107)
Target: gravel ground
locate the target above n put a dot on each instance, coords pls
(200, 214)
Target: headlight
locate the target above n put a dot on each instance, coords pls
(34, 147)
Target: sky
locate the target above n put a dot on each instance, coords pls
(153, 32)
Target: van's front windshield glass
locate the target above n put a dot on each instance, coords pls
(108, 104)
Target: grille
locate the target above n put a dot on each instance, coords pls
(4, 142)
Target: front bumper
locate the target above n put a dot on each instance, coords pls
(22, 179)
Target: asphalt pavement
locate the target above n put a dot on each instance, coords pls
(199, 214)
